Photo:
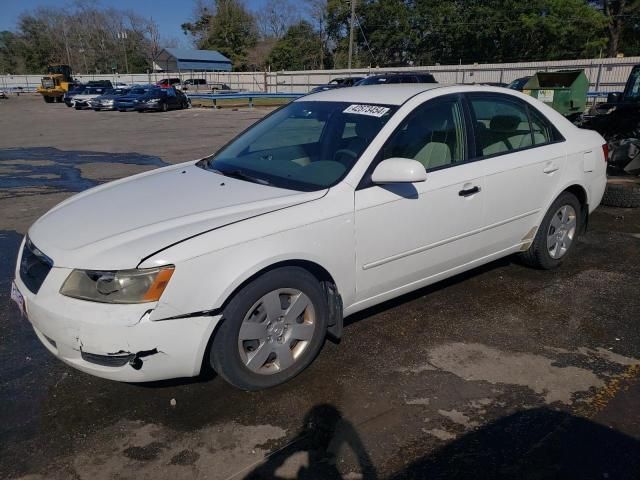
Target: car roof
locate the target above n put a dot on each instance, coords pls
(398, 93)
(395, 94)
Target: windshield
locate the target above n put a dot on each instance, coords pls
(375, 80)
(303, 146)
(118, 91)
(139, 90)
(94, 91)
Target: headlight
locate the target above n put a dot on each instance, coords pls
(153, 100)
(122, 286)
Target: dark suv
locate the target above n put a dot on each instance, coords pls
(397, 77)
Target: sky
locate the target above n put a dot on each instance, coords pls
(168, 14)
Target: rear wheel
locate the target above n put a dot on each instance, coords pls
(272, 329)
(556, 234)
(47, 99)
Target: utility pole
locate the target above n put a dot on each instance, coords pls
(123, 36)
(353, 18)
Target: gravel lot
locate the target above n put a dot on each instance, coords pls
(503, 372)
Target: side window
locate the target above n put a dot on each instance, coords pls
(501, 125)
(433, 134)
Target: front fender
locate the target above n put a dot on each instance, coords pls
(205, 276)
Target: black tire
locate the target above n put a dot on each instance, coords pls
(224, 354)
(58, 99)
(47, 99)
(78, 108)
(622, 192)
(538, 255)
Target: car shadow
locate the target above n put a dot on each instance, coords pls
(531, 444)
(430, 289)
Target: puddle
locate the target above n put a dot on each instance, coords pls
(59, 169)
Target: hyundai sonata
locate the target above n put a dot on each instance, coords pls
(247, 260)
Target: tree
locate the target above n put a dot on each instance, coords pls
(296, 50)
(275, 17)
(229, 29)
(88, 38)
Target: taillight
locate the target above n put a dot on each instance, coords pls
(605, 151)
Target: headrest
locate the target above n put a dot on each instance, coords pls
(504, 123)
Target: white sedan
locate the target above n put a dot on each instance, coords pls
(247, 260)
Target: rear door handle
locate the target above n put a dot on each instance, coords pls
(469, 191)
(550, 168)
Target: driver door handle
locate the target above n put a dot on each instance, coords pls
(469, 191)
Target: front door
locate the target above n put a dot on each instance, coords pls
(408, 233)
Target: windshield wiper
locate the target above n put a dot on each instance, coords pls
(240, 175)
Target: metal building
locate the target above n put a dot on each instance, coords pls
(183, 60)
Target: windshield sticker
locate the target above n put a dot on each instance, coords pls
(371, 110)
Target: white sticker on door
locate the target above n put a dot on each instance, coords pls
(371, 110)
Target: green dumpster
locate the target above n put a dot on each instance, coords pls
(565, 91)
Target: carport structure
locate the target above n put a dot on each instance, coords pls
(184, 60)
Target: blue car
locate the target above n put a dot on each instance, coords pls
(129, 101)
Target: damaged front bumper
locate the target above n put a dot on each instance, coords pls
(118, 342)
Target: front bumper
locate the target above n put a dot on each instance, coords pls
(148, 106)
(117, 342)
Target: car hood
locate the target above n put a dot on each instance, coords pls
(86, 97)
(116, 225)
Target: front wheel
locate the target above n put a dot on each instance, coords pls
(557, 233)
(272, 329)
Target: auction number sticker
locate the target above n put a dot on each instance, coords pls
(371, 110)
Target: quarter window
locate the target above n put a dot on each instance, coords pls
(542, 132)
(434, 135)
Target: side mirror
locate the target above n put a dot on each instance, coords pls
(614, 97)
(399, 170)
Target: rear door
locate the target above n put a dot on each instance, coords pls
(523, 157)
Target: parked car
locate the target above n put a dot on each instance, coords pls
(397, 77)
(198, 83)
(161, 100)
(220, 87)
(81, 100)
(67, 98)
(249, 258)
(168, 82)
(519, 83)
(337, 83)
(107, 100)
(3, 94)
(129, 101)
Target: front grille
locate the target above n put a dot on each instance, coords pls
(34, 266)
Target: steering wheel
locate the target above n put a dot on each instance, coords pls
(344, 152)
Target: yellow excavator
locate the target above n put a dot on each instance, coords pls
(56, 83)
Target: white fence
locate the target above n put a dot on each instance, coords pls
(605, 75)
